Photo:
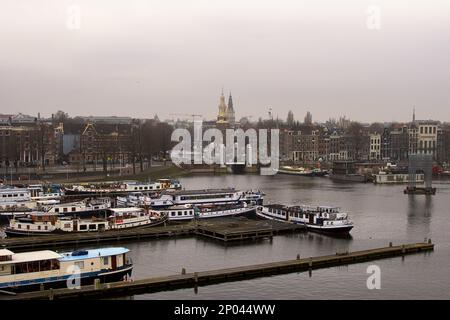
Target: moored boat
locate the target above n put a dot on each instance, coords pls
(123, 187)
(322, 219)
(35, 270)
(45, 223)
(189, 212)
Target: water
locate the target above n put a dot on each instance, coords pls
(381, 214)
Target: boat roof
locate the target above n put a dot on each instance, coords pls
(94, 253)
(32, 256)
(6, 252)
(121, 210)
(202, 191)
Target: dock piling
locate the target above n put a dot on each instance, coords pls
(183, 271)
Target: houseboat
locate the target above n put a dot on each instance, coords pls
(42, 193)
(44, 223)
(384, 177)
(31, 271)
(321, 219)
(85, 208)
(189, 212)
(15, 199)
(123, 187)
(197, 197)
(300, 171)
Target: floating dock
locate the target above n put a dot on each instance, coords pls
(240, 229)
(195, 279)
(224, 229)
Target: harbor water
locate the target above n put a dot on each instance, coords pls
(381, 214)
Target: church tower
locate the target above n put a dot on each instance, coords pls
(222, 116)
(230, 111)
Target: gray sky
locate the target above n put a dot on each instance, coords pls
(137, 58)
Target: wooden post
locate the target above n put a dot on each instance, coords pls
(298, 257)
(50, 294)
(403, 249)
(97, 284)
(310, 262)
(390, 244)
(183, 271)
(195, 277)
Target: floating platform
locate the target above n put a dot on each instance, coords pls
(186, 280)
(239, 229)
(419, 190)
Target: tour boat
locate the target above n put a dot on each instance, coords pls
(196, 197)
(322, 219)
(45, 223)
(189, 212)
(123, 187)
(36, 270)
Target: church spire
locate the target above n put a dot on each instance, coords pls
(414, 114)
(230, 102)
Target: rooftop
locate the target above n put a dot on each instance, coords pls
(94, 253)
(32, 256)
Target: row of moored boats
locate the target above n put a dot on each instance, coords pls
(142, 205)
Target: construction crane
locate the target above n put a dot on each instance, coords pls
(187, 115)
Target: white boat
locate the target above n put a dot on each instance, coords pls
(316, 218)
(41, 193)
(197, 197)
(85, 208)
(15, 199)
(123, 187)
(44, 223)
(35, 270)
(189, 212)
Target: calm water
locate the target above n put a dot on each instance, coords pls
(380, 213)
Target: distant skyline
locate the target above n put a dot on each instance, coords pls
(139, 58)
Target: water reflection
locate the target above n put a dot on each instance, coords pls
(420, 208)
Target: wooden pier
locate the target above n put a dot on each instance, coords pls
(240, 229)
(224, 229)
(195, 279)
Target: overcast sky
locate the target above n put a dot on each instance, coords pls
(138, 58)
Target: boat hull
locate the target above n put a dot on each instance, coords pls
(336, 230)
(105, 276)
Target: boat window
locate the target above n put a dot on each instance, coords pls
(180, 213)
(83, 227)
(46, 228)
(19, 226)
(28, 227)
(135, 188)
(65, 209)
(185, 213)
(105, 261)
(92, 227)
(79, 264)
(56, 209)
(39, 227)
(172, 214)
(73, 208)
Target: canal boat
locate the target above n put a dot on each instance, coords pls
(189, 212)
(85, 208)
(300, 171)
(321, 219)
(44, 223)
(36, 270)
(197, 197)
(15, 199)
(123, 187)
